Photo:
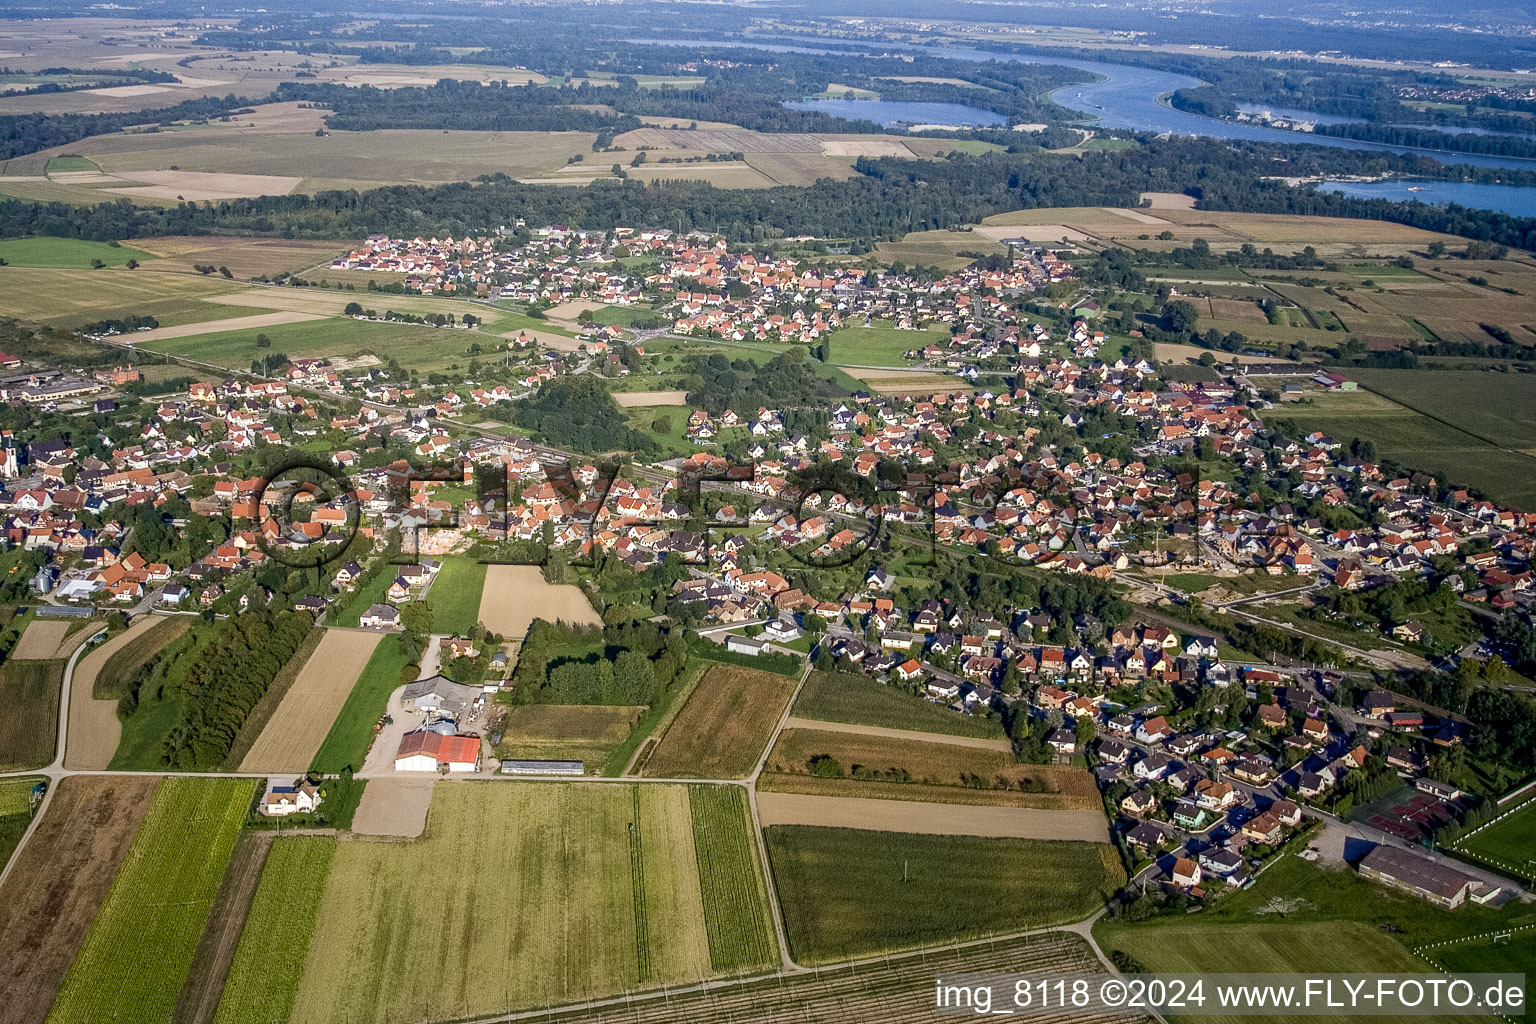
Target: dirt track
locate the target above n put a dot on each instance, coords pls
(94, 729)
(58, 884)
(979, 742)
(302, 720)
(515, 595)
(395, 807)
(930, 819)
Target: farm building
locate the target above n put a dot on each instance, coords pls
(438, 695)
(1423, 878)
(426, 751)
(745, 645)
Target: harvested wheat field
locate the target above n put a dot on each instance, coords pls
(238, 323)
(722, 730)
(59, 881)
(94, 728)
(515, 595)
(394, 807)
(930, 819)
(643, 399)
(41, 640)
(302, 720)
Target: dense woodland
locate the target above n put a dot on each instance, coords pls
(579, 412)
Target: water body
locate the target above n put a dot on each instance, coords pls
(1517, 202)
(900, 113)
(1129, 97)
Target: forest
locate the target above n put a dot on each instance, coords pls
(578, 412)
(888, 198)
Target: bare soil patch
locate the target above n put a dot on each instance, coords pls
(930, 819)
(239, 323)
(515, 595)
(41, 640)
(302, 720)
(394, 807)
(860, 147)
(60, 878)
(722, 730)
(1168, 200)
(642, 399)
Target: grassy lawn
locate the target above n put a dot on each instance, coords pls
(454, 596)
(346, 745)
(856, 699)
(673, 440)
(65, 253)
(1511, 841)
(881, 344)
(575, 732)
(847, 893)
(15, 812)
(70, 163)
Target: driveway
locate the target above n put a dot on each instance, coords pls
(380, 762)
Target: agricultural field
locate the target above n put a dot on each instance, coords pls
(575, 732)
(905, 894)
(320, 688)
(730, 880)
(593, 889)
(722, 730)
(916, 759)
(881, 345)
(454, 596)
(1511, 842)
(58, 884)
(245, 257)
(199, 997)
(1420, 442)
(161, 893)
(875, 814)
(263, 978)
(29, 691)
(894, 990)
(1497, 407)
(128, 655)
(69, 298)
(43, 639)
(351, 734)
(67, 253)
(515, 595)
(859, 700)
(942, 249)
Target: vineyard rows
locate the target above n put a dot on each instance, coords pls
(740, 937)
(137, 955)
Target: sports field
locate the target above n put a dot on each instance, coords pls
(577, 890)
(1511, 842)
(847, 893)
(722, 730)
(293, 735)
(515, 595)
